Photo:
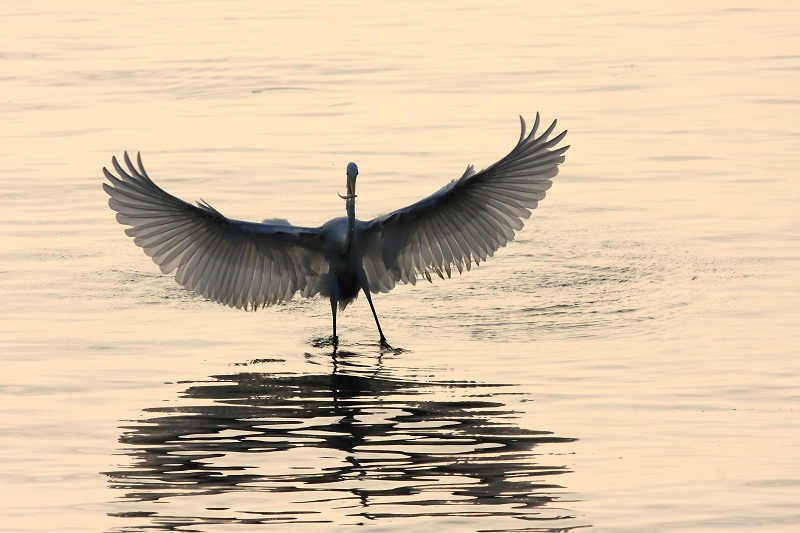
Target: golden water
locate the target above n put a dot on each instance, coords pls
(630, 362)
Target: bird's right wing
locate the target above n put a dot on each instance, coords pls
(467, 220)
(239, 264)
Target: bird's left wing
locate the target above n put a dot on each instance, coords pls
(239, 264)
(467, 220)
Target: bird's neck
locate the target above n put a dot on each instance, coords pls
(351, 222)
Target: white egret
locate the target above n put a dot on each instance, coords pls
(248, 265)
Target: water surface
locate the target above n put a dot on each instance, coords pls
(629, 363)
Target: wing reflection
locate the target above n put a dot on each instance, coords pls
(342, 447)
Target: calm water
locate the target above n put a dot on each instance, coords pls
(630, 363)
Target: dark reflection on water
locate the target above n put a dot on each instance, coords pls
(403, 448)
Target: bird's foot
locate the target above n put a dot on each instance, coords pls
(385, 348)
(324, 342)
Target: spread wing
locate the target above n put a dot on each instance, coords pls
(467, 220)
(239, 264)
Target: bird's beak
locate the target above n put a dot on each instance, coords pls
(351, 180)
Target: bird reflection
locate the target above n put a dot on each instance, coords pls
(343, 446)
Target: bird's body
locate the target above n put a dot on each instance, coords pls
(248, 265)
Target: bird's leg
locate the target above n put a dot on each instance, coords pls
(362, 279)
(369, 299)
(377, 323)
(335, 339)
(334, 296)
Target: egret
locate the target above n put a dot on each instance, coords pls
(248, 265)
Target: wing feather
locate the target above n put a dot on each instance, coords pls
(466, 221)
(239, 264)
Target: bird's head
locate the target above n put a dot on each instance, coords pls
(352, 174)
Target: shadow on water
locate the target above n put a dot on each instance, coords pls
(353, 444)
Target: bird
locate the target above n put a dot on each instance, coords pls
(251, 265)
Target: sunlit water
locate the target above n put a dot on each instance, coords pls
(629, 363)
